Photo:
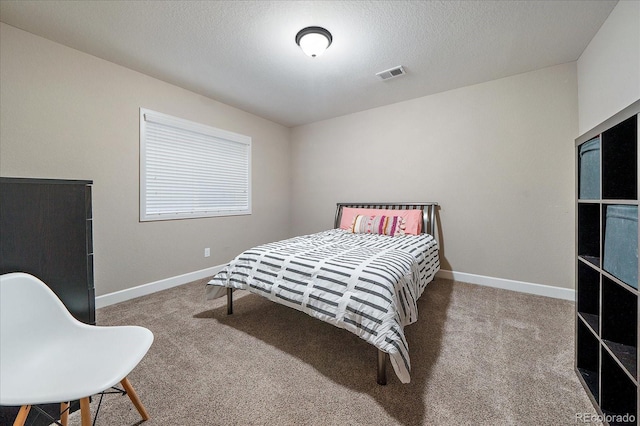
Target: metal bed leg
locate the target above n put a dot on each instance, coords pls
(229, 301)
(382, 368)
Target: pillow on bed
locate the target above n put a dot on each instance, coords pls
(383, 225)
(412, 218)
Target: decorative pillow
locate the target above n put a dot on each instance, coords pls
(413, 217)
(383, 225)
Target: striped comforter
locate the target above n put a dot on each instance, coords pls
(365, 283)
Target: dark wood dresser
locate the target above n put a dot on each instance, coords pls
(46, 230)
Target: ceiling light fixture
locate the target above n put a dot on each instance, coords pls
(313, 40)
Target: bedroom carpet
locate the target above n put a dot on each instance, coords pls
(480, 356)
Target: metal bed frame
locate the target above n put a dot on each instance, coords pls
(429, 226)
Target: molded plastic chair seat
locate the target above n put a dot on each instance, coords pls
(47, 356)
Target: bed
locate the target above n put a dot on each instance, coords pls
(365, 275)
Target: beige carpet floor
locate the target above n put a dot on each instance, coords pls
(480, 356)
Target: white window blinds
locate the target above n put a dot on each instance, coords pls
(190, 170)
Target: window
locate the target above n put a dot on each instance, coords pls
(190, 170)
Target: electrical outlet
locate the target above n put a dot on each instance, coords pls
(207, 252)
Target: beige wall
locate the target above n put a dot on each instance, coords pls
(498, 156)
(66, 114)
(609, 68)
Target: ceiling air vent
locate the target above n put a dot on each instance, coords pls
(391, 73)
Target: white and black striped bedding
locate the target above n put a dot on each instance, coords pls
(365, 283)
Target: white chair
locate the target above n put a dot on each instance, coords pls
(47, 356)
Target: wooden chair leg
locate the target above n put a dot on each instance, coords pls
(22, 415)
(85, 412)
(64, 413)
(133, 396)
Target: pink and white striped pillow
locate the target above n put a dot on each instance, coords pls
(383, 225)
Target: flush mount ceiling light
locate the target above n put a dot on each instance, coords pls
(313, 40)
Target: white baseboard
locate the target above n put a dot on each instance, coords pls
(144, 289)
(521, 286)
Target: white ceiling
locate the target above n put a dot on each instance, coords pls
(243, 53)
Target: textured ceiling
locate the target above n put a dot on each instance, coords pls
(243, 53)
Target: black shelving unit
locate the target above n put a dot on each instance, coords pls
(607, 266)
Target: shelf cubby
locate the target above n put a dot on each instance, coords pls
(620, 161)
(589, 170)
(589, 232)
(589, 295)
(620, 245)
(620, 323)
(588, 358)
(619, 394)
